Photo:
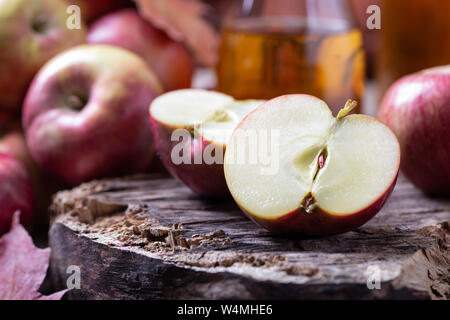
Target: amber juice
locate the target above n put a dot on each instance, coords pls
(266, 58)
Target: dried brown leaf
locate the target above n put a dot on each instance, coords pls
(23, 266)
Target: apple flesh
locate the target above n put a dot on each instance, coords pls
(169, 59)
(16, 193)
(85, 115)
(215, 115)
(417, 109)
(325, 176)
(31, 32)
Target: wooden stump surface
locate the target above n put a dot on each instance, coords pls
(149, 237)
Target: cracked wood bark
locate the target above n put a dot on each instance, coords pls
(148, 237)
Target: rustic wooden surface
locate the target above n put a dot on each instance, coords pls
(148, 237)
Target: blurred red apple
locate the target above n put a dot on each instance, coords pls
(94, 9)
(85, 115)
(16, 193)
(13, 143)
(417, 109)
(31, 32)
(127, 29)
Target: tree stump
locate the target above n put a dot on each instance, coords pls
(149, 237)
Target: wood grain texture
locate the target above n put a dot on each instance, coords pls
(149, 237)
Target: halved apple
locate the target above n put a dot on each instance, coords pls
(191, 128)
(308, 173)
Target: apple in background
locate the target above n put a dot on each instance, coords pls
(169, 59)
(31, 32)
(13, 143)
(325, 176)
(417, 109)
(86, 114)
(94, 9)
(216, 115)
(15, 193)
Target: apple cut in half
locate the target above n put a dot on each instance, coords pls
(191, 128)
(295, 169)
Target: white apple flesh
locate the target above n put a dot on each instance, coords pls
(333, 174)
(213, 116)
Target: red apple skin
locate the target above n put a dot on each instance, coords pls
(127, 29)
(94, 9)
(320, 223)
(417, 109)
(23, 51)
(16, 193)
(205, 179)
(13, 143)
(109, 135)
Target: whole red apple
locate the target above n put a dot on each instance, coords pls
(127, 29)
(417, 109)
(94, 9)
(85, 115)
(16, 193)
(31, 32)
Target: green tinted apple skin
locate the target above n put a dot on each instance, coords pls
(24, 50)
(319, 222)
(417, 109)
(109, 135)
(204, 179)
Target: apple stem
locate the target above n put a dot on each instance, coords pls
(349, 106)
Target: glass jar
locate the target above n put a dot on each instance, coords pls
(415, 35)
(270, 48)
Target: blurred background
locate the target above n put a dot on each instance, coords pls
(325, 48)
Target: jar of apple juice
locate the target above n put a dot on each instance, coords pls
(271, 48)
